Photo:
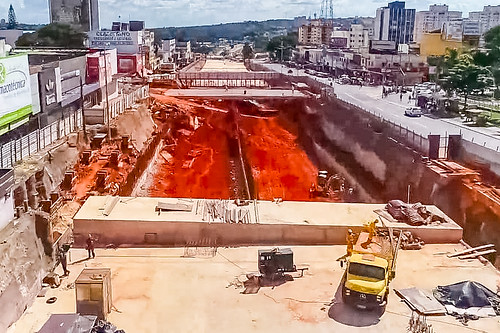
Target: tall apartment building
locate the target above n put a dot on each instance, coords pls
(433, 20)
(395, 23)
(83, 15)
(358, 37)
(488, 18)
(317, 32)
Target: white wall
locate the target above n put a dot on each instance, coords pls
(6, 210)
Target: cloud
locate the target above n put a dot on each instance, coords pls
(158, 13)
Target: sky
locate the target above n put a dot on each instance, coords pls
(166, 13)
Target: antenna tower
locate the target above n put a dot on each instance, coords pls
(326, 9)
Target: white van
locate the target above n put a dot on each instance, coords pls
(413, 111)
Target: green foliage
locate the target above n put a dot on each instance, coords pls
(466, 77)
(12, 18)
(247, 51)
(232, 31)
(492, 40)
(54, 34)
(282, 45)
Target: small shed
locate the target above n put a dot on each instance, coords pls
(93, 292)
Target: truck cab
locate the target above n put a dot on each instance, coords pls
(369, 272)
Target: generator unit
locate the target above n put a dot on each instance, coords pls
(276, 261)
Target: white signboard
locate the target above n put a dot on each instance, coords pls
(15, 89)
(123, 41)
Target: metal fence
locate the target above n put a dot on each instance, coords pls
(18, 149)
(400, 133)
(408, 137)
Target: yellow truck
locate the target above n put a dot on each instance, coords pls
(370, 268)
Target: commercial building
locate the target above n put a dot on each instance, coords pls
(433, 20)
(395, 23)
(358, 37)
(488, 18)
(15, 92)
(83, 15)
(168, 50)
(11, 36)
(316, 32)
(135, 48)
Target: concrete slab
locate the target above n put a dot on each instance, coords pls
(213, 65)
(136, 222)
(157, 290)
(233, 93)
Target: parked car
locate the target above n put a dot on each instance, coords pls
(413, 111)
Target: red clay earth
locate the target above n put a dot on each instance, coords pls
(86, 174)
(198, 165)
(280, 169)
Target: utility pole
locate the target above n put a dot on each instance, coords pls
(107, 95)
(82, 102)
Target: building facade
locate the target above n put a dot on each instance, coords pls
(82, 15)
(317, 32)
(395, 23)
(433, 20)
(358, 37)
(488, 18)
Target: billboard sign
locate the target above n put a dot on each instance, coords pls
(15, 89)
(123, 41)
(383, 47)
(49, 87)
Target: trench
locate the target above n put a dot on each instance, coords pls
(277, 154)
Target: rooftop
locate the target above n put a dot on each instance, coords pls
(286, 212)
(159, 290)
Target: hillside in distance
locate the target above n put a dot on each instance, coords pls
(232, 31)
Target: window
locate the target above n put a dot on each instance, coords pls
(369, 271)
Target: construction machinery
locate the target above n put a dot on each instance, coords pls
(371, 266)
(276, 261)
(327, 185)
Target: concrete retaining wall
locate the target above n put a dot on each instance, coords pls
(140, 234)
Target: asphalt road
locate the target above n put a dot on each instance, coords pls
(392, 109)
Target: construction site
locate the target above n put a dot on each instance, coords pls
(235, 198)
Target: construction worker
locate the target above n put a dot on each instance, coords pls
(312, 191)
(90, 246)
(62, 259)
(350, 242)
(371, 229)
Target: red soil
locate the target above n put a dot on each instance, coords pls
(199, 167)
(279, 167)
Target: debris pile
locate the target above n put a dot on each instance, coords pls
(216, 149)
(412, 214)
(103, 170)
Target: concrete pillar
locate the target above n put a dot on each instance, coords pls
(43, 230)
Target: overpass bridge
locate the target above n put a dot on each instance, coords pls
(235, 93)
(227, 79)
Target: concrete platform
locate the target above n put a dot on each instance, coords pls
(234, 93)
(134, 221)
(159, 290)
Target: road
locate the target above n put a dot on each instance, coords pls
(392, 109)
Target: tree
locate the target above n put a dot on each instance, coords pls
(492, 44)
(465, 77)
(247, 52)
(54, 34)
(281, 47)
(12, 18)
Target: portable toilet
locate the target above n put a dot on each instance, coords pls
(93, 292)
